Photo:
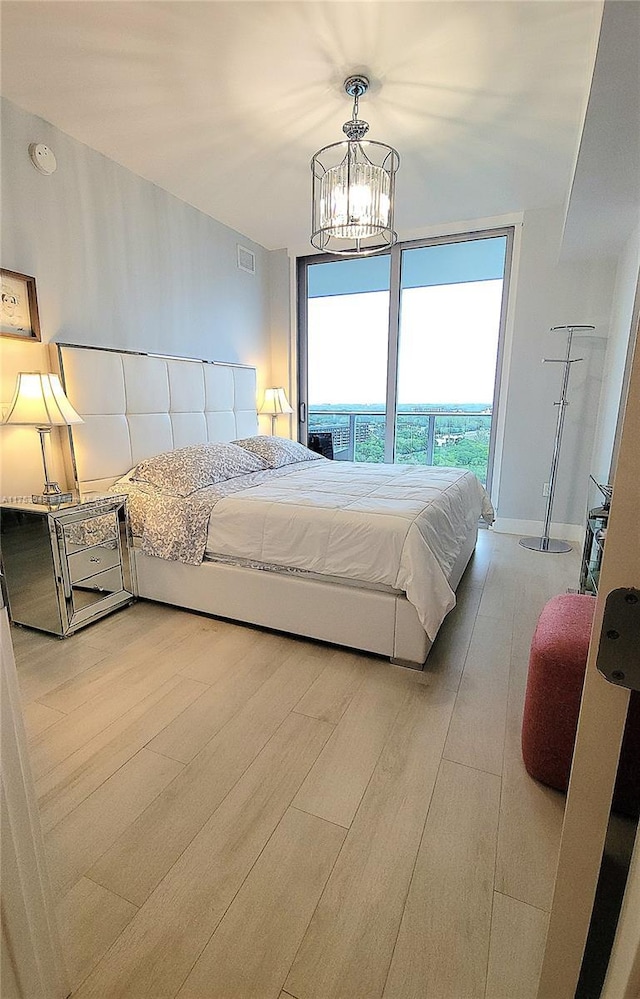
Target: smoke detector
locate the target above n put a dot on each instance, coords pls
(42, 158)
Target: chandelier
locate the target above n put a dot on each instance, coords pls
(353, 188)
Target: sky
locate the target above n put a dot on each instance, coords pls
(448, 345)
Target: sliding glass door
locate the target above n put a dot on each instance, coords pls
(400, 353)
(450, 308)
(347, 340)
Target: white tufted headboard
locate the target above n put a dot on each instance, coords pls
(138, 405)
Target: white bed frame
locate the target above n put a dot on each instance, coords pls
(136, 405)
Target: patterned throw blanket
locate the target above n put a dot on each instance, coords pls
(175, 527)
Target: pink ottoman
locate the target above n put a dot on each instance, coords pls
(554, 688)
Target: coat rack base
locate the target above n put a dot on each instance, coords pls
(545, 545)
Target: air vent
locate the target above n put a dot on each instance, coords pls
(246, 260)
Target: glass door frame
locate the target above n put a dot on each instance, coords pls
(393, 345)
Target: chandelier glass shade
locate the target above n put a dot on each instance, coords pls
(353, 189)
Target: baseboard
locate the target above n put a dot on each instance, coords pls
(533, 528)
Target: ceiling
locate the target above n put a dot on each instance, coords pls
(224, 103)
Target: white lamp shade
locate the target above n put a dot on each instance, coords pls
(39, 400)
(275, 402)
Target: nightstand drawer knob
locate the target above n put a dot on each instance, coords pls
(94, 559)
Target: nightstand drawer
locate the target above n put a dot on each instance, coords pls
(93, 560)
(89, 591)
(89, 531)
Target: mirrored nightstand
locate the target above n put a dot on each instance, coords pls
(66, 567)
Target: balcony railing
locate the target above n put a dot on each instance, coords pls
(423, 437)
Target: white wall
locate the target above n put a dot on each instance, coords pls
(282, 364)
(603, 207)
(627, 276)
(118, 263)
(121, 263)
(548, 293)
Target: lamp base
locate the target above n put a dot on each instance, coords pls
(51, 499)
(545, 545)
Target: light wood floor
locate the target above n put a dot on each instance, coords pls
(233, 814)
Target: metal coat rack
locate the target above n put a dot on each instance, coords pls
(546, 543)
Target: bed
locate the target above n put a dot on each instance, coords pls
(365, 556)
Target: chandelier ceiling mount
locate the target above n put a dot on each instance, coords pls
(356, 87)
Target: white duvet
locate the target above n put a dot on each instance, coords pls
(402, 526)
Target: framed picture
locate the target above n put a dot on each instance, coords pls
(19, 308)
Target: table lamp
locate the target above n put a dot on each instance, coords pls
(39, 401)
(275, 403)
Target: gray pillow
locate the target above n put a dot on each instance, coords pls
(183, 471)
(278, 451)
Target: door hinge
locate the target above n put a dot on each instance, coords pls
(618, 656)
